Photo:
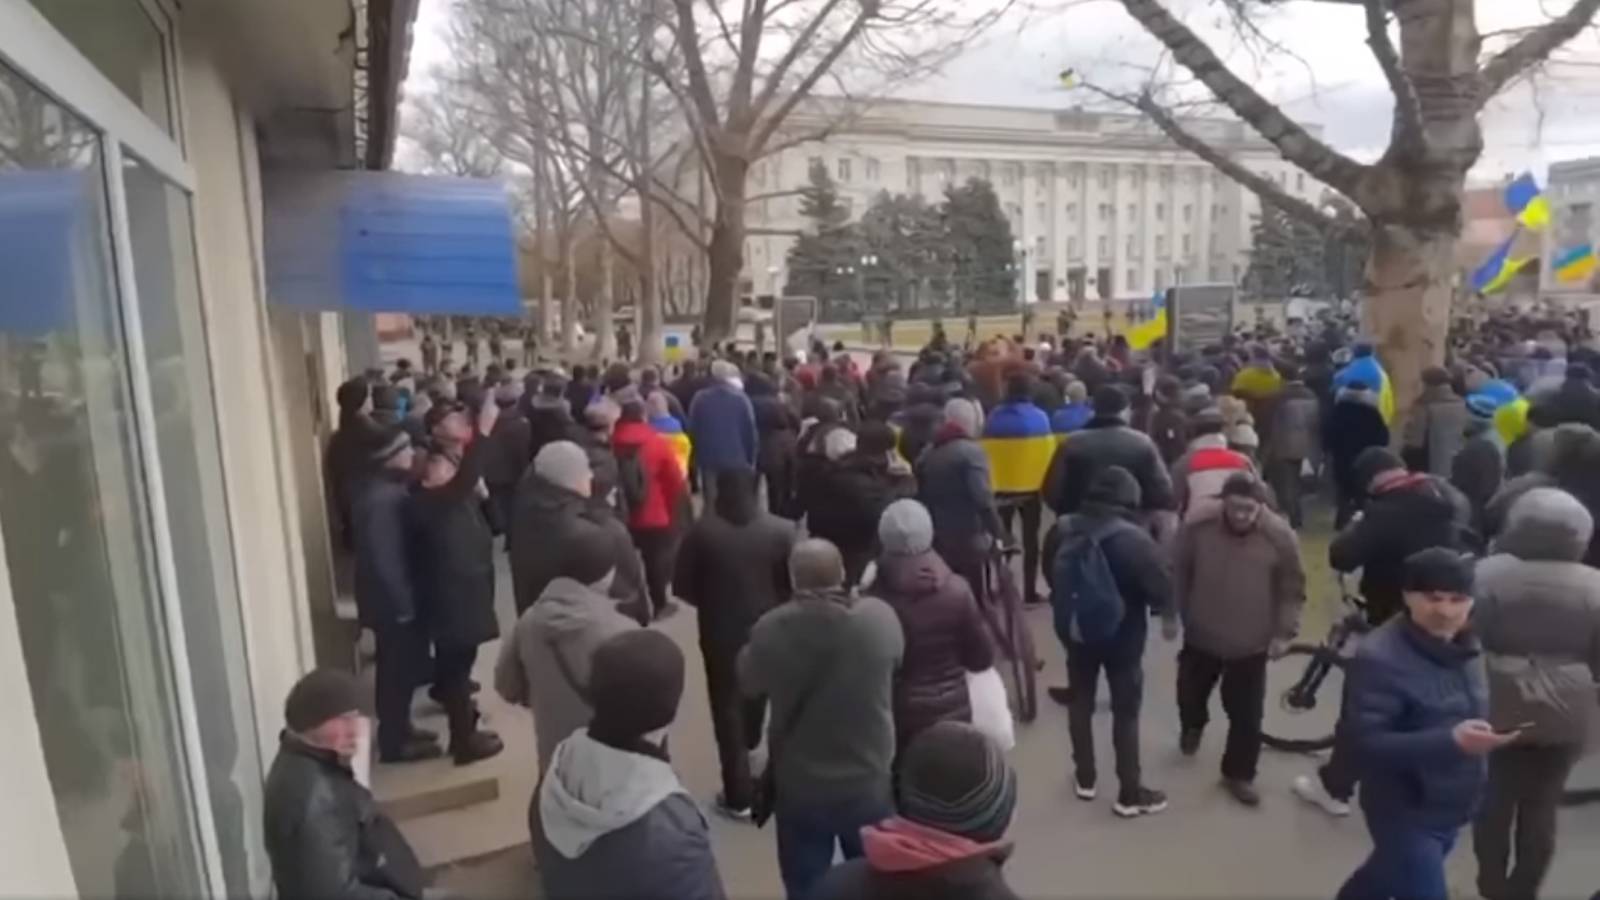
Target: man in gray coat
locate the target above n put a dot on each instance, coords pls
(1437, 427)
(954, 483)
(1534, 599)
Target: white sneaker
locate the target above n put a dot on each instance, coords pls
(1084, 791)
(1309, 788)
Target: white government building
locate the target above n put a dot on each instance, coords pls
(1102, 205)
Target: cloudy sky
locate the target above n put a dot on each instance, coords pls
(1323, 75)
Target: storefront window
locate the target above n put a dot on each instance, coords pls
(122, 40)
(73, 520)
(162, 237)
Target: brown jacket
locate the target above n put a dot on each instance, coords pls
(1237, 592)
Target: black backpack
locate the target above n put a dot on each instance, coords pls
(630, 480)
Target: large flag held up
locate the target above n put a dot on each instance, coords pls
(1528, 203)
(1498, 270)
(1142, 335)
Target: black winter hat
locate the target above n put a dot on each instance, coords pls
(955, 778)
(1114, 486)
(635, 683)
(1439, 569)
(588, 556)
(352, 394)
(1109, 400)
(320, 695)
(1372, 462)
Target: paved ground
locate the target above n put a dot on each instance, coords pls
(1204, 846)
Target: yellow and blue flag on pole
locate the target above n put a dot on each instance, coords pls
(670, 428)
(1018, 441)
(1142, 335)
(1574, 264)
(1498, 270)
(1528, 203)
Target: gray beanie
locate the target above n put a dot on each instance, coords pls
(964, 414)
(563, 464)
(905, 529)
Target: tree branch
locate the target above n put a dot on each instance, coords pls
(1533, 48)
(1294, 142)
(1410, 132)
(797, 48)
(774, 120)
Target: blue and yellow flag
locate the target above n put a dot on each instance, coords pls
(1498, 270)
(1574, 264)
(1368, 371)
(671, 429)
(1142, 335)
(1020, 445)
(1528, 203)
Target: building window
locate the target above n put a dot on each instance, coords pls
(1072, 212)
(1161, 212)
(1300, 181)
(1177, 274)
(1188, 213)
(1102, 246)
(1188, 245)
(813, 163)
(1072, 176)
(874, 169)
(1216, 212)
(1008, 174)
(1133, 213)
(985, 170)
(1041, 178)
(1166, 177)
(1137, 177)
(1104, 210)
(1041, 248)
(1042, 211)
(1105, 176)
(947, 171)
(128, 47)
(845, 167)
(1072, 247)
(1132, 241)
(1161, 245)
(1159, 279)
(1132, 282)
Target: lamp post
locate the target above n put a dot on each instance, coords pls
(867, 259)
(843, 271)
(1020, 254)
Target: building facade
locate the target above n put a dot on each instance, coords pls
(165, 573)
(1573, 191)
(1101, 205)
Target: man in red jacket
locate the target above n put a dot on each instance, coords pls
(652, 492)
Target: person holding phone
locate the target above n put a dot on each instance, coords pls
(1415, 709)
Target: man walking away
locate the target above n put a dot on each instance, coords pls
(1200, 473)
(386, 597)
(1536, 600)
(1020, 446)
(1414, 707)
(956, 797)
(1240, 588)
(732, 568)
(507, 456)
(652, 488)
(544, 665)
(777, 431)
(1296, 439)
(954, 483)
(1102, 539)
(1437, 426)
(610, 818)
(326, 836)
(1354, 425)
(1107, 440)
(826, 660)
(722, 425)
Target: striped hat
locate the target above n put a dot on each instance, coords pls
(954, 778)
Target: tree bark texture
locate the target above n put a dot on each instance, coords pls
(725, 259)
(1408, 305)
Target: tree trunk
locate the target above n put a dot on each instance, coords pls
(569, 295)
(605, 330)
(648, 348)
(1407, 306)
(725, 258)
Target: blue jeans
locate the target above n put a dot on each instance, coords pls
(1407, 863)
(807, 835)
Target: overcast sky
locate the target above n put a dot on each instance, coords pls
(1018, 62)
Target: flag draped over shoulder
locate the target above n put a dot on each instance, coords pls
(1019, 443)
(1368, 371)
(671, 429)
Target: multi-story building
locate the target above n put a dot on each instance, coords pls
(1573, 192)
(1101, 205)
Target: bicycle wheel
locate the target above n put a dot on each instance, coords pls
(1305, 688)
(1015, 640)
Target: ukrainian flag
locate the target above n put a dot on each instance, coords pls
(1498, 270)
(1511, 420)
(1574, 264)
(671, 429)
(1020, 445)
(1368, 371)
(1527, 203)
(1142, 335)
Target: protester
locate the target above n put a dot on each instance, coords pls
(1169, 423)
(1240, 587)
(826, 661)
(1535, 600)
(654, 491)
(345, 460)
(1576, 400)
(1479, 470)
(1571, 464)
(1437, 426)
(386, 598)
(956, 797)
(1143, 586)
(854, 490)
(1199, 474)
(954, 484)
(1107, 440)
(1354, 425)
(544, 663)
(508, 455)
(733, 568)
(945, 636)
(722, 425)
(777, 436)
(1295, 444)
(610, 818)
(325, 834)
(1414, 708)
(1020, 446)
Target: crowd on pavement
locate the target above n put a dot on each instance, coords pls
(839, 561)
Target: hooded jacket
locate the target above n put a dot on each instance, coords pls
(906, 861)
(945, 638)
(1198, 476)
(1535, 597)
(732, 569)
(953, 482)
(722, 425)
(664, 481)
(1138, 565)
(1354, 425)
(546, 518)
(1106, 441)
(850, 495)
(616, 823)
(544, 665)
(1436, 430)
(1238, 592)
(1410, 513)
(1296, 425)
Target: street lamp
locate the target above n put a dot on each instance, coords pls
(867, 260)
(1020, 251)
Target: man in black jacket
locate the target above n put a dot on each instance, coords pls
(386, 596)
(325, 835)
(1107, 440)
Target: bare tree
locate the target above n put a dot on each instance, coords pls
(445, 138)
(1411, 195)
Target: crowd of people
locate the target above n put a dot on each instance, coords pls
(837, 562)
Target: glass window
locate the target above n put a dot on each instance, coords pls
(813, 163)
(1161, 245)
(1161, 212)
(1105, 211)
(1132, 283)
(1133, 213)
(124, 43)
(874, 169)
(1072, 211)
(1105, 176)
(1131, 242)
(74, 521)
(1040, 248)
(1072, 247)
(1102, 246)
(1188, 245)
(1041, 211)
(191, 464)
(1188, 212)
(844, 170)
(1299, 181)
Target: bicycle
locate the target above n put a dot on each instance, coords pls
(1301, 697)
(1003, 611)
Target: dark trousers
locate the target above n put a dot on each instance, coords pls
(656, 546)
(1284, 477)
(452, 681)
(737, 722)
(402, 654)
(808, 834)
(1339, 774)
(1029, 510)
(1406, 863)
(1515, 834)
(777, 470)
(1244, 691)
(1125, 676)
